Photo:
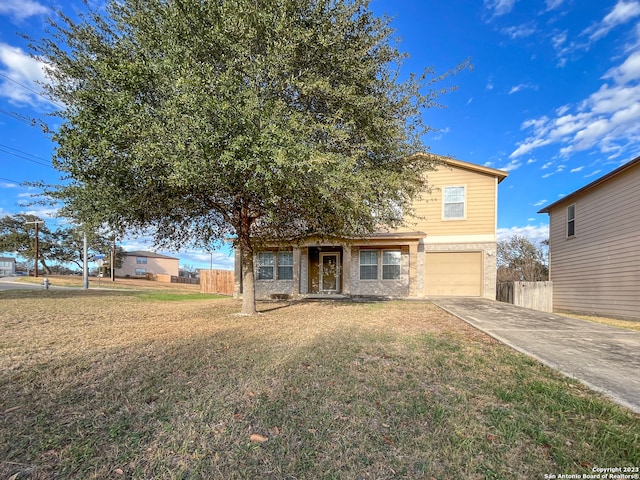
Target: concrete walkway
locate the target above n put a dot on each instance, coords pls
(604, 358)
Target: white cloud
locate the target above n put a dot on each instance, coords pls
(534, 233)
(608, 120)
(623, 12)
(522, 86)
(577, 169)
(499, 7)
(519, 31)
(539, 203)
(22, 9)
(490, 83)
(511, 166)
(8, 185)
(24, 72)
(593, 174)
(627, 72)
(553, 4)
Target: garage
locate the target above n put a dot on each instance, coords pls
(457, 274)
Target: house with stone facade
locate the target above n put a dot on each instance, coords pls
(447, 249)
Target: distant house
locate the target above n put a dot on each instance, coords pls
(594, 246)
(141, 264)
(448, 249)
(7, 266)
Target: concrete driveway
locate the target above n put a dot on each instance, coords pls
(606, 359)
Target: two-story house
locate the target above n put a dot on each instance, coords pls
(447, 249)
(141, 263)
(594, 246)
(7, 266)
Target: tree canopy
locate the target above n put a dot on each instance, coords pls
(519, 259)
(250, 119)
(63, 245)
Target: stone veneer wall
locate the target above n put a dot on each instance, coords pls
(383, 288)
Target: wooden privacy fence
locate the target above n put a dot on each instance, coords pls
(216, 281)
(534, 295)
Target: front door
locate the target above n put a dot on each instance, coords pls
(329, 272)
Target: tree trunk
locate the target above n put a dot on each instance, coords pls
(47, 270)
(248, 282)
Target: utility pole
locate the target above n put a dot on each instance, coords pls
(36, 223)
(85, 262)
(113, 260)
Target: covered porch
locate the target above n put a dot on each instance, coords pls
(379, 265)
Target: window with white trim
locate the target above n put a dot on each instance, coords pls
(266, 263)
(571, 220)
(453, 203)
(285, 265)
(275, 265)
(141, 271)
(368, 264)
(391, 262)
(141, 260)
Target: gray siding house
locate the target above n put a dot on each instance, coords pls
(594, 246)
(7, 266)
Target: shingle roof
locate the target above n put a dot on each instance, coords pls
(142, 253)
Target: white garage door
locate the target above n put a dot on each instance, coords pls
(456, 274)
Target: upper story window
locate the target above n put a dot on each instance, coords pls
(453, 207)
(141, 260)
(571, 220)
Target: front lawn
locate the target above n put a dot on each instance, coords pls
(99, 384)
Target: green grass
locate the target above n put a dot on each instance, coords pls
(97, 383)
(177, 297)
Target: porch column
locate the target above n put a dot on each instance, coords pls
(296, 272)
(413, 269)
(346, 269)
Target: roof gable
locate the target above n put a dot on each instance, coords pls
(452, 162)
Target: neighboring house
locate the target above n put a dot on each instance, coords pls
(141, 263)
(7, 266)
(447, 250)
(594, 246)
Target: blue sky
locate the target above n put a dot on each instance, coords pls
(553, 97)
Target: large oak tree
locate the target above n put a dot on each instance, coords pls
(201, 120)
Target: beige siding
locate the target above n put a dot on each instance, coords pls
(598, 270)
(480, 208)
(156, 266)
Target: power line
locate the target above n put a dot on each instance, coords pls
(30, 89)
(21, 118)
(9, 180)
(24, 153)
(24, 157)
